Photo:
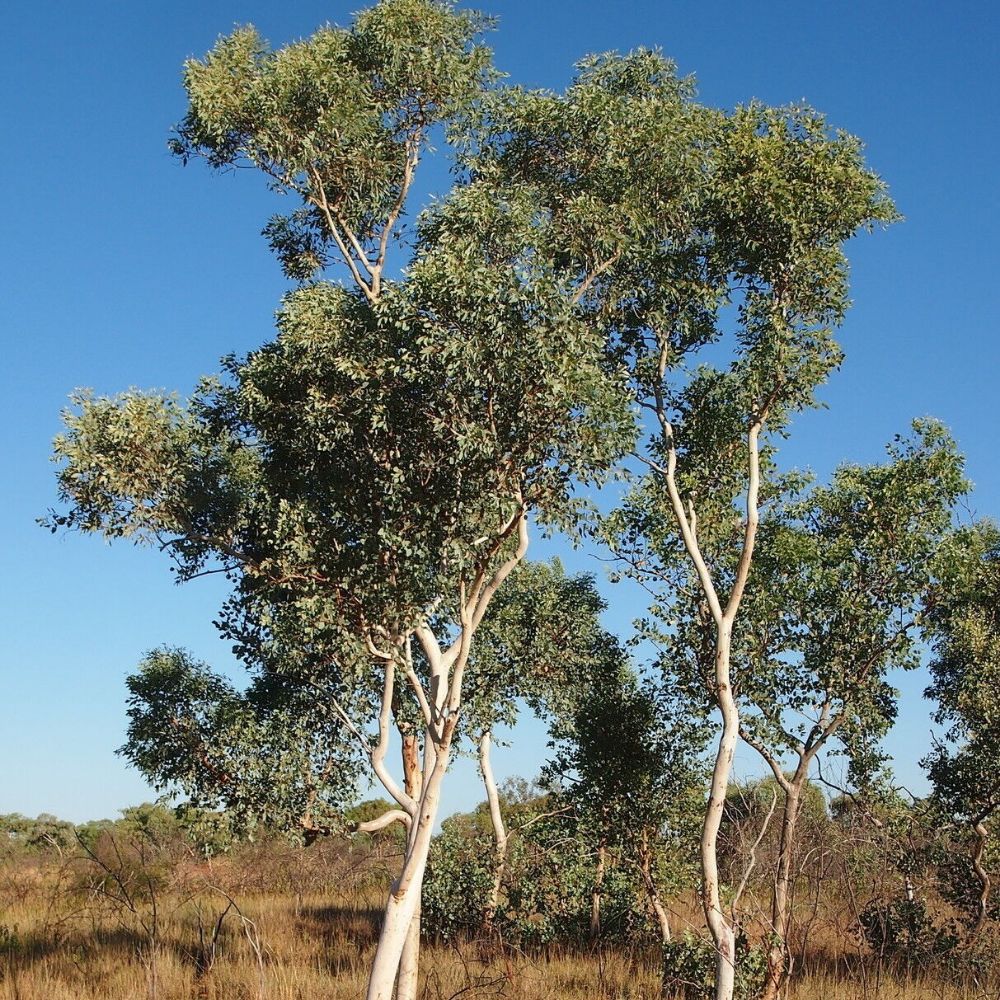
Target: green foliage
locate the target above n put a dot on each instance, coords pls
(628, 756)
(963, 626)
(549, 895)
(749, 209)
(361, 475)
(89, 832)
(154, 825)
(751, 801)
(541, 644)
(689, 968)
(338, 119)
(276, 756)
(547, 886)
(840, 575)
(273, 756)
(44, 833)
(142, 467)
(955, 877)
(458, 881)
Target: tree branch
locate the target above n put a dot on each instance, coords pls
(379, 752)
(386, 819)
(753, 519)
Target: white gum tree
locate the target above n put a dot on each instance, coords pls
(367, 479)
(842, 574)
(719, 290)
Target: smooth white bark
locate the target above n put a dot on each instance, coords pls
(440, 705)
(718, 923)
(404, 899)
(725, 964)
(723, 618)
(409, 961)
(499, 830)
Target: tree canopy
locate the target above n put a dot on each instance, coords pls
(620, 281)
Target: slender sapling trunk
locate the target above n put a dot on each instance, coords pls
(499, 830)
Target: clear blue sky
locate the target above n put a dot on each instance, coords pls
(118, 268)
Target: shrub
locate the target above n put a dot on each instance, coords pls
(689, 968)
(904, 932)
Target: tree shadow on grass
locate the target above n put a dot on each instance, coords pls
(341, 933)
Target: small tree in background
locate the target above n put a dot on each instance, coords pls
(963, 625)
(628, 760)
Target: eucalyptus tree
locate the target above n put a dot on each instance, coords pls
(788, 195)
(841, 575)
(723, 225)
(963, 626)
(366, 479)
(628, 757)
(538, 647)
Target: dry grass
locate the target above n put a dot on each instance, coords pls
(308, 949)
(62, 940)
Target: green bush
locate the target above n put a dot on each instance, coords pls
(904, 932)
(689, 968)
(546, 891)
(457, 883)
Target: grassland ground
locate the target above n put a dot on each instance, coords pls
(205, 937)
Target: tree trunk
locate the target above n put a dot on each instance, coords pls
(403, 905)
(781, 899)
(595, 899)
(725, 964)
(646, 868)
(499, 830)
(984, 878)
(409, 961)
(722, 932)
(718, 924)
(399, 914)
